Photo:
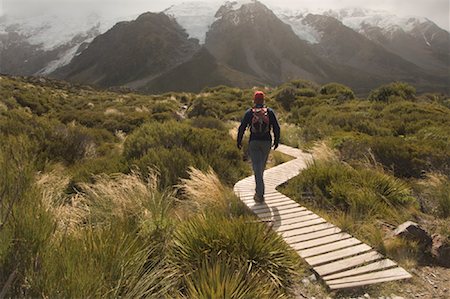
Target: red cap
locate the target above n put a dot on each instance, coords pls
(259, 96)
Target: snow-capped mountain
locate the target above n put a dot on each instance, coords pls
(377, 46)
(195, 17)
(48, 42)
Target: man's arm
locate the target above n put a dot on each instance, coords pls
(244, 124)
(276, 129)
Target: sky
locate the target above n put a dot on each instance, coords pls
(436, 10)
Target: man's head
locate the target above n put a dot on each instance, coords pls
(258, 98)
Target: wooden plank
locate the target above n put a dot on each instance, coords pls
(320, 241)
(368, 282)
(336, 255)
(298, 219)
(249, 202)
(380, 265)
(374, 275)
(312, 236)
(268, 200)
(306, 230)
(291, 216)
(249, 194)
(289, 227)
(275, 208)
(283, 210)
(271, 207)
(266, 196)
(329, 247)
(280, 213)
(256, 205)
(348, 263)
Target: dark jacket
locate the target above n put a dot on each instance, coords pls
(247, 120)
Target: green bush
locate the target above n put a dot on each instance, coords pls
(219, 278)
(406, 158)
(168, 144)
(442, 194)
(339, 91)
(286, 96)
(389, 92)
(360, 192)
(242, 242)
(208, 123)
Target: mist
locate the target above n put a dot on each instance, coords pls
(435, 10)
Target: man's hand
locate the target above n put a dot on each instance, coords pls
(275, 145)
(239, 145)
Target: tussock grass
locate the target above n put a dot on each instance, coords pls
(442, 194)
(221, 279)
(204, 189)
(244, 243)
(322, 152)
(292, 135)
(360, 192)
(277, 158)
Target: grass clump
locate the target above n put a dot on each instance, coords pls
(173, 147)
(221, 279)
(361, 192)
(244, 244)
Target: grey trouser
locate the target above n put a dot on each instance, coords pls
(259, 152)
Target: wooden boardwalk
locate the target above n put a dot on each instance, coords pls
(341, 260)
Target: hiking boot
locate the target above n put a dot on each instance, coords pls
(258, 199)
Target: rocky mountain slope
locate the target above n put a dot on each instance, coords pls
(132, 53)
(249, 43)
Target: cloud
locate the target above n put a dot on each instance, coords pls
(436, 10)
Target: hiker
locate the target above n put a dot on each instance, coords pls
(260, 120)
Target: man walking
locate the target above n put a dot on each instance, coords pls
(261, 120)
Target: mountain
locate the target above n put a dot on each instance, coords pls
(415, 39)
(195, 17)
(342, 45)
(251, 39)
(41, 44)
(240, 43)
(199, 72)
(132, 53)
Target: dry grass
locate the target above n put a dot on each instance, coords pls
(69, 212)
(117, 196)
(322, 152)
(204, 189)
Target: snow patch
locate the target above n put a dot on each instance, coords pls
(296, 20)
(63, 60)
(358, 19)
(53, 31)
(195, 17)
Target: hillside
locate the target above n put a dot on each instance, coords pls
(132, 53)
(358, 47)
(101, 188)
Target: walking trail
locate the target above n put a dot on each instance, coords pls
(341, 260)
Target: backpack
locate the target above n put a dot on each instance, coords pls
(260, 124)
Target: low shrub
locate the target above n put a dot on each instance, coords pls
(360, 192)
(339, 91)
(173, 147)
(244, 243)
(406, 158)
(390, 92)
(220, 278)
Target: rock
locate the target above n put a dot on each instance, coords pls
(396, 297)
(306, 282)
(366, 296)
(412, 231)
(312, 278)
(441, 250)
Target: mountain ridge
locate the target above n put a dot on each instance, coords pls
(418, 55)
